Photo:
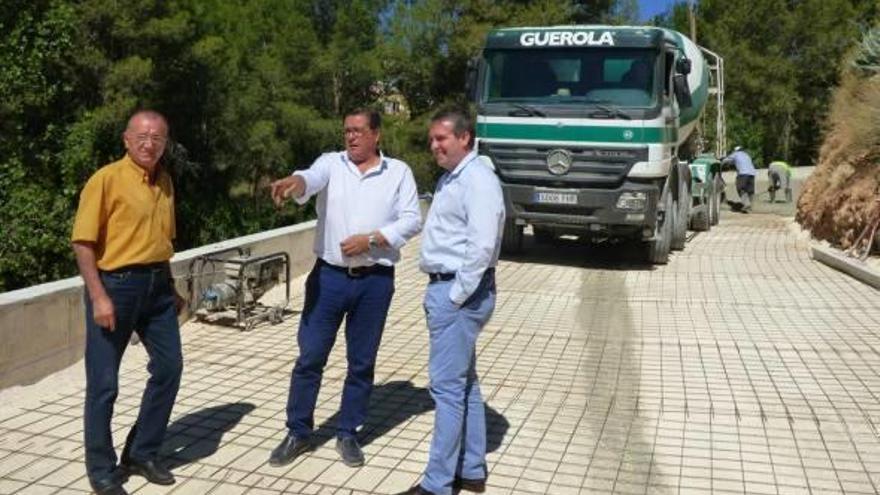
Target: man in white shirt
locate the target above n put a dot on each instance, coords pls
(460, 247)
(367, 210)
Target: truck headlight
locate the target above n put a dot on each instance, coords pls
(632, 201)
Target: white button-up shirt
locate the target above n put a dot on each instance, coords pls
(464, 226)
(349, 202)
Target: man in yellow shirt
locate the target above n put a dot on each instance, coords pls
(122, 238)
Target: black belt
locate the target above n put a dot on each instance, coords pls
(162, 266)
(437, 277)
(359, 271)
(445, 277)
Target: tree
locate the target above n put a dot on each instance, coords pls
(778, 74)
(251, 90)
(37, 46)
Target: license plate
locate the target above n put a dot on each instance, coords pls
(558, 198)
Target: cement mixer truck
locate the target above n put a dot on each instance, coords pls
(600, 131)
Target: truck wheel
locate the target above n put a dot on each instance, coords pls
(710, 201)
(512, 240)
(682, 209)
(701, 215)
(700, 221)
(715, 200)
(657, 249)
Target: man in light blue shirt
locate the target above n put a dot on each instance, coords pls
(460, 246)
(367, 209)
(745, 177)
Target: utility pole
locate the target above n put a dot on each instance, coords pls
(692, 20)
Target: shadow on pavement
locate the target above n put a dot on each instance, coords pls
(198, 434)
(563, 251)
(394, 403)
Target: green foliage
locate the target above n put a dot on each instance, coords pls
(36, 227)
(782, 59)
(867, 56)
(255, 89)
(778, 74)
(624, 12)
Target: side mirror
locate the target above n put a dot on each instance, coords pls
(470, 83)
(683, 66)
(682, 91)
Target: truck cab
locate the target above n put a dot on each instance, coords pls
(586, 127)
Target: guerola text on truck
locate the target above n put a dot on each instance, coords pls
(593, 131)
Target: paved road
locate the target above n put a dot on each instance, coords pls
(740, 367)
(762, 203)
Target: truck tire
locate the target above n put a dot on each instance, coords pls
(657, 249)
(702, 214)
(512, 239)
(682, 209)
(715, 200)
(700, 221)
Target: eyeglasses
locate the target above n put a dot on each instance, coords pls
(155, 139)
(355, 131)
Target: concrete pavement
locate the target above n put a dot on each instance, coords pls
(742, 366)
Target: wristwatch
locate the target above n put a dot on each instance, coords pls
(372, 242)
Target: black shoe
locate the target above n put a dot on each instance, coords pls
(153, 472)
(416, 490)
(108, 486)
(288, 450)
(350, 451)
(475, 485)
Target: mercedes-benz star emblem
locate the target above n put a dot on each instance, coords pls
(558, 162)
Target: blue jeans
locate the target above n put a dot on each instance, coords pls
(143, 301)
(331, 295)
(458, 447)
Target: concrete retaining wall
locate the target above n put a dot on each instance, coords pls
(42, 327)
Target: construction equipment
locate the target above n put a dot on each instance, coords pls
(601, 132)
(233, 280)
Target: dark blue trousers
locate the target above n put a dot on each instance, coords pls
(143, 301)
(332, 295)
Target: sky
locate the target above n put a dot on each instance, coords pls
(650, 8)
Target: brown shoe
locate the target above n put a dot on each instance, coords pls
(476, 486)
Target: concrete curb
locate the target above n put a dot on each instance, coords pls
(851, 266)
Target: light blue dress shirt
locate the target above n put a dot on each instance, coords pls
(743, 163)
(349, 202)
(463, 230)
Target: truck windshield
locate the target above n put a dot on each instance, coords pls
(620, 77)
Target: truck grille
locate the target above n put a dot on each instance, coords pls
(593, 167)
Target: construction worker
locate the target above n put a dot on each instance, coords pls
(779, 176)
(745, 176)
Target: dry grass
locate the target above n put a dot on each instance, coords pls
(837, 199)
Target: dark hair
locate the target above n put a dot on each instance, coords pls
(460, 119)
(371, 115)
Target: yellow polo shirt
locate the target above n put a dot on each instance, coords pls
(130, 220)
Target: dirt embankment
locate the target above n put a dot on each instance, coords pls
(840, 196)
